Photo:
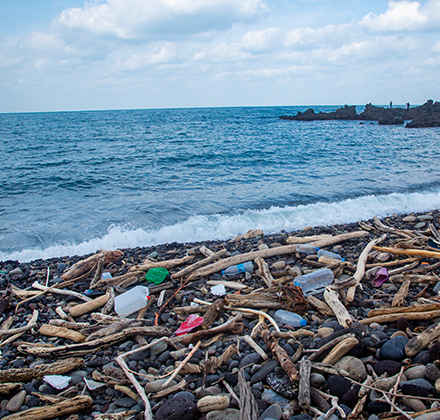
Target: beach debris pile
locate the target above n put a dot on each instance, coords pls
(330, 322)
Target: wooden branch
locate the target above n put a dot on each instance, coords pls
(384, 228)
(421, 341)
(416, 252)
(212, 313)
(63, 408)
(84, 265)
(340, 238)
(306, 239)
(413, 278)
(407, 309)
(360, 269)
(171, 390)
(402, 293)
(98, 273)
(280, 354)
(229, 284)
(39, 371)
(70, 325)
(249, 340)
(55, 331)
(248, 404)
(342, 315)
(340, 350)
(265, 274)
(265, 299)
(330, 345)
(320, 306)
(305, 368)
(87, 307)
(410, 316)
(99, 331)
(253, 233)
(164, 264)
(195, 266)
(39, 286)
(238, 259)
(10, 387)
(30, 325)
(232, 328)
(393, 263)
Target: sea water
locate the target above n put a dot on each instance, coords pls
(75, 182)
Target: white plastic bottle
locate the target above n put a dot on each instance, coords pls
(306, 248)
(239, 268)
(328, 254)
(290, 318)
(316, 281)
(131, 301)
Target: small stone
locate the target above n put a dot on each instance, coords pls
(422, 383)
(394, 349)
(211, 403)
(125, 402)
(425, 217)
(15, 272)
(432, 372)
(228, 414)
(416, 372)
(261, 374)
(337, 385)
(156, 386)
(416, 405)
(279, 265)
(420, 225)
(183, 406)
(374, 325)
(325, 331)
(263, 247)
(16, 402)
(409, 219)
(436, 288)
(414, 390)
(274, 411)
(353, 366)
(158, 349)
(61, 267)
(317, 380)
(250, 359)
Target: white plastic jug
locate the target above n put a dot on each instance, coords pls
(131, 301)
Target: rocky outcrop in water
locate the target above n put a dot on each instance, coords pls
(426, 115)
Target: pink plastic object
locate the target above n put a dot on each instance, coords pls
(191, 322)
(381, 277)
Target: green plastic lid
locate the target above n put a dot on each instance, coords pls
(156, 275)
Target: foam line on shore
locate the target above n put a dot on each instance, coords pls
(222, 227)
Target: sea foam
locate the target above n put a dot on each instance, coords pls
(226, 226)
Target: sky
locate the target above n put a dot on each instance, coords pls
(63, 55)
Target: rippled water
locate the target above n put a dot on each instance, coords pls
(76, 181)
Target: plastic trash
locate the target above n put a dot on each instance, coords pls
(131, 301)
(218, 290)
(316, 281)
(156, 275)
(240, 268)
(57, 381)
(92, 385)
(106, 275)
(306, 248)
(380, 278)
(191, 322)
(328, 254)
(290, 318)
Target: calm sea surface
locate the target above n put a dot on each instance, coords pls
(74, 182)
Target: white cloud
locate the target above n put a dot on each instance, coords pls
(266, 40)
(405, 16)
(134, 19)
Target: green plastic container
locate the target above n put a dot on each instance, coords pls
(156, 275)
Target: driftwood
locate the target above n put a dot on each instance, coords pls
(18, 330)
(147, 264)
(87, 307)
(416, 252)
(55, 331)
(124, 280)
(410, 316)
(343, 316)
(184, 311)
(393, 263)
(238, 259)
(195, 266)
(214, 363)
(280, 354)
(253, 233)
(21, 330)
(230, 328)
(305, 368)
(329, 345)
(77, 326)
(84, 265)
(265, 274)
(414, 278)
(63, 408)
(109, 305)
(266, 299)
(306, 239)
(340, 350)
(402, 293)
(212, 313)
(39, 371)
(320, 306)
(360, 269)
(91, 346)
(408, 309)
(402, 232)
(10, 387)
(39, 286)
(98, 273)
(99, 331)
(421, 341)
(249, 340)
(229, 284)
(248, 404)
(339, 238)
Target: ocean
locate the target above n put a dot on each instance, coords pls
(75, 182)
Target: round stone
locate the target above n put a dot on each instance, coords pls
(394, 349)
(353, 366)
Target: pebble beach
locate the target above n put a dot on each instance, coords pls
(396, 385)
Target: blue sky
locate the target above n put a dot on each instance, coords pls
(118, 54)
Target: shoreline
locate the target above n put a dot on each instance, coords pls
(194, 384)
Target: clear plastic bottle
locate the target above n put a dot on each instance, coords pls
(239, 268)
(306, 248)
(328, 254)
(131, 301)
(316, 281)
(290, 318)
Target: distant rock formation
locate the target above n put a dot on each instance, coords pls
(426, 115)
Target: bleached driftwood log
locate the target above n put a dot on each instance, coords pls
(264, 271)
(405, 310)
(305, 368)
(421, 341)
(402, 293)
(410, 316)
(340, 350)
(341, 313)
(147, 264)
(62, 332)
(87, 307)
(195, 266)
